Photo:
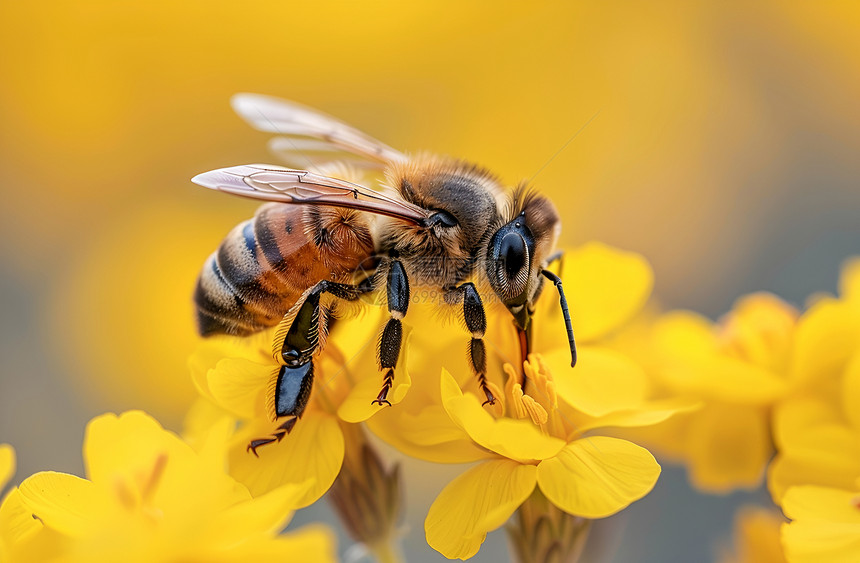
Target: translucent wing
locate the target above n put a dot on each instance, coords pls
(315, 155)
(273, 183)
(332, 139)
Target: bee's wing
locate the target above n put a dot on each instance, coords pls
(314, 155)
(272, 183)
(331, 137)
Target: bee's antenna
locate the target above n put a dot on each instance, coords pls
(564, 311)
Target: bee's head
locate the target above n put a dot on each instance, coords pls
(518, 251)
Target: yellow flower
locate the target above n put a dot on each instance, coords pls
(818, 434)
(762, 357)
(325, 449)
(541, 438)
(151, 497)
(540, 446)
(757, 537)
(236, 375)
(825, 524)
(819, 438)
(605, 288)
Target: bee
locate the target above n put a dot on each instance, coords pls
(321, 240)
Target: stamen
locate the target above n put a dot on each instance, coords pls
(529, 369)
(511, 378)
(552, 396)
(517, 401)
(151, 484)
(536, 411)
(125, 494)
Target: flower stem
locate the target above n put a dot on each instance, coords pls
(542, 533)
(366, 496)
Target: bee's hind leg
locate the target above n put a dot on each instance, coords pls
(301, 342)
(476, 323)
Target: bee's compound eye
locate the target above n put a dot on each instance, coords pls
(513, 252)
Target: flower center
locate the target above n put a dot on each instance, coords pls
(139, 495)
(540, 403)
(760, 332)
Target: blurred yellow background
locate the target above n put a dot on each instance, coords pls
(723, 148)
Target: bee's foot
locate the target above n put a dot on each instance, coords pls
(491, 400)
(278, 435)
(382, 398)
(252, 447)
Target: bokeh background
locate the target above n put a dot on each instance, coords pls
(724, 149)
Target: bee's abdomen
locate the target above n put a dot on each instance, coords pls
(232, 295)
(220, 309)
(261, 268)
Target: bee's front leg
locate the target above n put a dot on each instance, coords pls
(397, 291)
(476, 322)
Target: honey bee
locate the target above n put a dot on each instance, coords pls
(321, 240)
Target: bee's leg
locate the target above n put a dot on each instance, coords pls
(392, 335)
(296, 376)
(476, 322)
(276, 436)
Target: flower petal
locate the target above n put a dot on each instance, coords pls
(62, 502)
(597, 476)
(728, 446)
(310, 543)
(17, 524)
(265, 514)
(358, 405)
(132, 452)
(430, 435)
(797, 415)
(312, 451)
(604, 286)
(7, 464)
(825, 454)
(826, 525)
(691, 362)
(478, 501)
(826, 337)
(760, 328)
(215, 348)
(515, 439)
(208, 428)
(825, 504)
(647, 414)
(851, 391)
(238, 385)
(603, 380)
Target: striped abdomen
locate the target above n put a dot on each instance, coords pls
(265, 264)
